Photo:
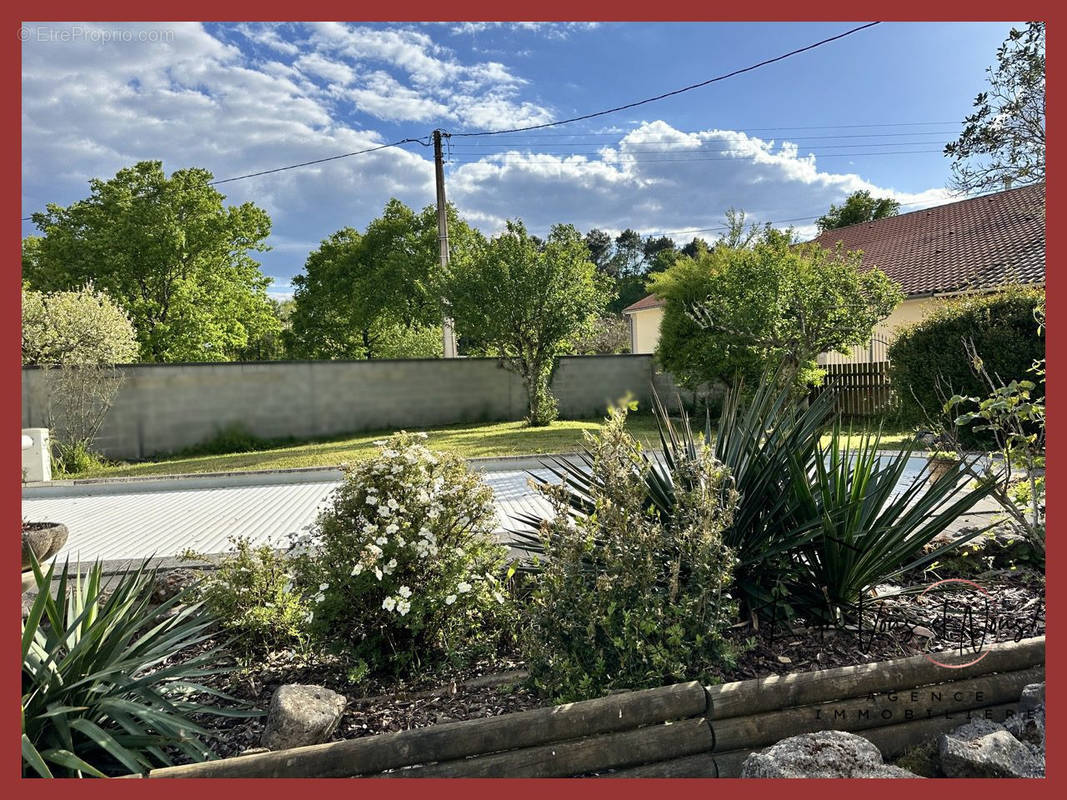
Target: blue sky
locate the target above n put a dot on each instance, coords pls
(781, 143)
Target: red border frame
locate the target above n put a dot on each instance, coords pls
(777, 10)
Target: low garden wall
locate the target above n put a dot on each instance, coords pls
(685, 730)
(162, 408)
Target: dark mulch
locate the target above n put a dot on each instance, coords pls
(902, 626)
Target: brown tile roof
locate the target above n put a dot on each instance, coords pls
(978, 243)
(645, 302)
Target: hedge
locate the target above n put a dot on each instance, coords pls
(927, 360)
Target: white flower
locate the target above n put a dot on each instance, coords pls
(389, 603)
(378, 573)
(383, 511)
(396, 468)
(372, 500)
(450, 600)
(463, 587)
(390, 453)
(382, 539)
(392, 503)
(391, 528)
(403, 606)
(390, 566)
(357, 569)
(370, 528)
(498, 597)
(323, 586)
(405, 592)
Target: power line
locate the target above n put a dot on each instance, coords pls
(721, 147)
(320, 160)
(787, 128)
(533, 157)
(515, 143)
(676, 91)
(397, 143)
(772, 222)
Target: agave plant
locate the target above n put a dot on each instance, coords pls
(870, 528)
(102, 689)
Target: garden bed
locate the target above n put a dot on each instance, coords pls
(499, 686)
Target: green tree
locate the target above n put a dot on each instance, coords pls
(859, 207)
(1004, 139)
(629, 253)
(601, 251)
(526, 303)
(739, 311)
(375, 294)
(169, 252)
(83, 327)
(77, 338)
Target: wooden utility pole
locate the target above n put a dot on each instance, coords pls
(448, 333)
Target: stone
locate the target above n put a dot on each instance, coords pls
(985, 749)
(825, 754)
(300, 715)
(1028, 725)
(172, 582)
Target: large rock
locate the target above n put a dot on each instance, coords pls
(985, 749)
(172, 582)
(1028, 725)
(826, 754)
(300, 715)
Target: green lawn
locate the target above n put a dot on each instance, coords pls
(468, 441)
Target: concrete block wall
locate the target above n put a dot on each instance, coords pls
(162, 408)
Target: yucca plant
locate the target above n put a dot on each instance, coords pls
(759, 437)
(106, 679)
(870, 529)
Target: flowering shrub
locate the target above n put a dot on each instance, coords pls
(633, 595)
(403, 568)
(251, 592)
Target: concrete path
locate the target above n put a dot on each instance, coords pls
(123, 520)
(126, 519)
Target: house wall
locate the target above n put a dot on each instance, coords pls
(907, 313)
(162, 408)
(644, 329)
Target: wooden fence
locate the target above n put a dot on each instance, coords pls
(859, 388)
(685, 730)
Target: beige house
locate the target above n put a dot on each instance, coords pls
(972, 245)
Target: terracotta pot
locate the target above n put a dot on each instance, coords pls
(43, 540)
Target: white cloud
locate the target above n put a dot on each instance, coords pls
(91, 108)
(659, 179)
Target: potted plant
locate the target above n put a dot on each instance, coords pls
(40, 540)
(942, 462)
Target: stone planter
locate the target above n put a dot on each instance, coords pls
(940, 466)
(43, 540)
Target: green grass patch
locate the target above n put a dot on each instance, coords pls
(485, 439)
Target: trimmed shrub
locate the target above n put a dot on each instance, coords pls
(928, 362)
(632, 594)
(403, 569)
(251, 592)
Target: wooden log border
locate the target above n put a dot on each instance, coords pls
(684, 730)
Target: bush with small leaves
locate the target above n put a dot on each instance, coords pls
(403, 570)
(251, 592)
(630, 596)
